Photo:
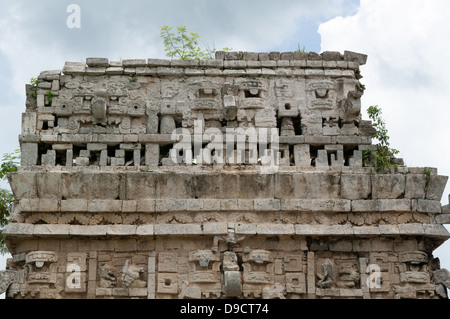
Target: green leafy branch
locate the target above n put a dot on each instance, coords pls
(384, 153)
(10, 163)
(184, 45)
(33, 82)
(50, 96)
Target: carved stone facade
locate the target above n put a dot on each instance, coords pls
(240, 177)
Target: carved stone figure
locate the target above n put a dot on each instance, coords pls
(326, 275)
(131, 274)
(7, 278)
(107, 277)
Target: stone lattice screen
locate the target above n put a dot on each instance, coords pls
(242, 176)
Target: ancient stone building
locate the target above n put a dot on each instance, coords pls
(247, 176)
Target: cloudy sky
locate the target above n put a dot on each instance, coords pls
(406, 42)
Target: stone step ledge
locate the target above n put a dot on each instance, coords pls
(165, 139)
(229, 68)
(61, 230)
(232, 205)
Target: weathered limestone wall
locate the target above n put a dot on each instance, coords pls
(103, 210)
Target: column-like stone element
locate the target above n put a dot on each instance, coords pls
(301, 155)
(92, 274)
(151, 276)
(29, 154)
(167, 125)
(364, 277)
(322, 159)
(311, 275)
(151, 154)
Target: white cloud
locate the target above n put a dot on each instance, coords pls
(406, 75)
(35, 37)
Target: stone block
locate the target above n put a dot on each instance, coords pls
(263, 56)
(215, 228)
(234, 72)
(331, 55)
(245, 229)
(360, 58)
(245, 204)
(96, 147)
(235, 64)
(121, 230)
(29, 121)
(306, 230)
(362, 245)
(184, 63)
(436, 187)
(415, 186)
(129, 206)
(398, 205)
(104, 62)
(74, 68)
(314, 63)
(366, 231)
(29, 154)
(48, 205)
(21, 229)
(229, 204)
(158, 62)
(356, 186)
(81, 230)
(51, 230)
(338, 230)
(169, 205)
(353, 65)
(114, 70)
(146, 205)
(82, 161)
(428, 206)
(169, 71)
(267, 204)
(194, 72)
(388, 229)
(388, 186)
(211, 204)
(133, 63)
(194, 204)
(24, 185)
(411, 229)
(211, 63)
(48, 159)
(289, 204)
(275, 229)
(177, 229)
(415, 277)
(95, 70)
(302, 155)
(436, 230)
(269, 64)
(341, 245)
(105, 205)
(316, 186)
(145, 230)
(442, 218)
